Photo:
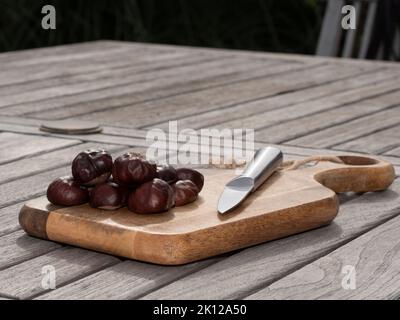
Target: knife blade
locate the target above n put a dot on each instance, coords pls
(264, 163)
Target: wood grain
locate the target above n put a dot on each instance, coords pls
(342, 133)
(394, 152)
(9, 218)
(97, 138)
(256, 114)
(17, 247)
(335, 110)
(189, 233)
(252, 269)
(16, 146)
(375, 257)
(126, 87)
(126, 280)
(24, 280)
(124, 76)
(43, 71)
(63, 52)
(145, 92)
(377, 142)
(39, 68)
(99, 68)
(216, 98)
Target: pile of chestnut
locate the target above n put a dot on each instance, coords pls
(130, 180)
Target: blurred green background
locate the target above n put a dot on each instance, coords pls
(269, 25)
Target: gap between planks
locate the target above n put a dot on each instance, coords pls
(135, 138)
(148, 93)
(273, 107)
(216, 97)
(117, 78)
(375, 256)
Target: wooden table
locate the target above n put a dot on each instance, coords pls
(307, 105)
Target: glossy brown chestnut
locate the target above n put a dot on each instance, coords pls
(92, 167)
(65, 191)
(185, 191)
(131, 169)
(190, 174)
(151, 197)
(167, 173)
(108, 196)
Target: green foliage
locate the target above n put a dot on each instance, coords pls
(271, 25)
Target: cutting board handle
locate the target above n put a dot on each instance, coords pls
(355, 174)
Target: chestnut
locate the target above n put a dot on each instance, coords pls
(92, 167)
(108, 196)
(152, 197)
(167, 173)
(185, 191)
(190, 174)
(132, 169)
(65, 191)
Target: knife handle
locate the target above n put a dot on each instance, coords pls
(264, 163)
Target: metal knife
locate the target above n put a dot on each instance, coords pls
(264, 163)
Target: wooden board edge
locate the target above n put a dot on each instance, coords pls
(34, 221)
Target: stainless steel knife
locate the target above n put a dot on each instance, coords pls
(264, 163)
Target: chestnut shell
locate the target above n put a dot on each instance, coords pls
(167, 173)
(131, 169)
(193, 175)
(151, 197)
(65, 191)
(92, 167)
(185, 191)
(108, 196)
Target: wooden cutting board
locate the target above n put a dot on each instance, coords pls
(291, 201)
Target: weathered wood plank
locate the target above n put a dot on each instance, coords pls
(354, 129)
(92, 63)
(42, 71)
(394, 152)
(377, 142)
(254, 113)
(254, 268)
(17, 247)
(23, 56)
(276, 111)
(16, 146)
(375, 257)
(9, 219)
(128, 94)
(123, 76)
(47, 161)
(312, 117)
(277, 56)
(95, 69)
(215, 98)
(98, 138)
(85, 52)
(126, 280)
(24, 280)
